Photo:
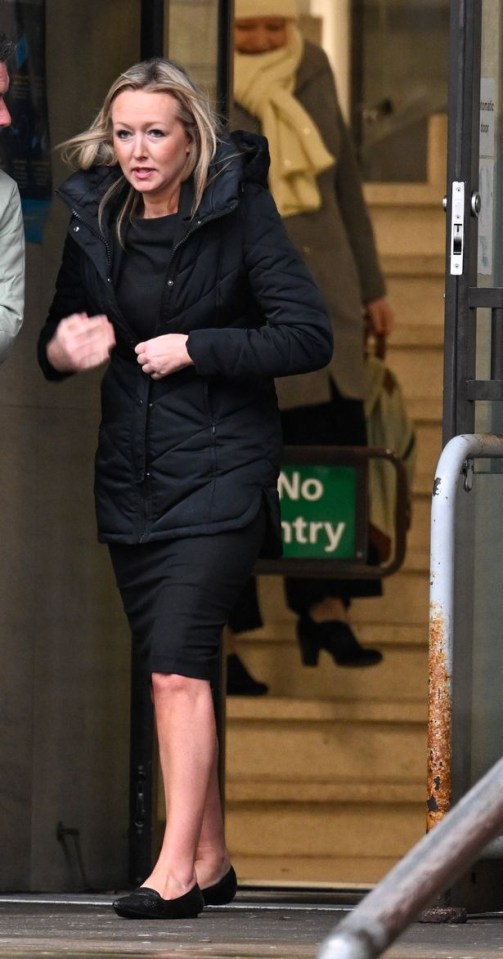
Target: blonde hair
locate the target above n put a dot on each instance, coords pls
(95, 145)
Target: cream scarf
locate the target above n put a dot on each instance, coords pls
(263, 85)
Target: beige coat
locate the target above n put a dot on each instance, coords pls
(11, 263)
(337, 241)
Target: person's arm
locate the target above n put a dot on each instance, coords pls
(12, 269)
(71, 341)
(318, 94)
(349, 189)
(296, 337)
(354, 211)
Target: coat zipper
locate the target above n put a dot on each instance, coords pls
(170, 283)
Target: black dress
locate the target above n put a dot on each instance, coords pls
(176, 594)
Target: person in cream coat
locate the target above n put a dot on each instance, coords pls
(284, 88)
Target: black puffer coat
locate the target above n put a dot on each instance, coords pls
(197, 451)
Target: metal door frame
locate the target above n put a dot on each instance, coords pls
(462, 390)
(462, 166)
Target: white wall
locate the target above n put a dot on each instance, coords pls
(335, 16)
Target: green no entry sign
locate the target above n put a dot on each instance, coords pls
(323, 492)
(318, 510)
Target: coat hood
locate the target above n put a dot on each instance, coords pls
(241, 157)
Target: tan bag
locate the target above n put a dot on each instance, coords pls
(388, 426)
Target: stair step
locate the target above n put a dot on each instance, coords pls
(414, 334)
(418, 537)
(417, 300)
(429, 445)
(402, 677)
(290, 740)
(410, 196)
(360, 870)
(368, 793)
(280, 633)
(408, 363)
(427, 411)
(337, 842)
(425, 266)
(421, 230)
(429, 267)
(294, 712)
(339, 798)
(326, 774)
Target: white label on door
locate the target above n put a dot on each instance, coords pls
(487, 114)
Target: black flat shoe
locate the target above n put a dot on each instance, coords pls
(337, 639)
(240, 682)
(221, 892)
(145, 903)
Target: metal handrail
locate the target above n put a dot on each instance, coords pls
(439, 858)
(462, 832)
(455, 459)
(340, 568)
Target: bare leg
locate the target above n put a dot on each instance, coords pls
(187, 748)
(327, 609)
(212, 857)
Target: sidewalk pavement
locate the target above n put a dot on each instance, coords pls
(269, 925)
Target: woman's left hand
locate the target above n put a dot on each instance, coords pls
(379, 316)
(163, 355)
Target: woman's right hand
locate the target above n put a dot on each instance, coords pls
(81, 342)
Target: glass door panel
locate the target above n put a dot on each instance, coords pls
(399, 80)
(192, 31)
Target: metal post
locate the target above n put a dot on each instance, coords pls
(462, 832)
(151, 29)
(225, 60)
(141, 788)
(436, 861)
(459, 450)
(497, 343)
(225, 57)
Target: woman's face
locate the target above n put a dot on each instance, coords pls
(150, 143)
(260, 34)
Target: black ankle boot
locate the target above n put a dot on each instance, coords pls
(338, 639)
(240, 682)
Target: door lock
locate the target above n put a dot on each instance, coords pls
(457, 227)
(475, 203)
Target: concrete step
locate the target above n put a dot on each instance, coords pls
(337, 842)
(408, 217)
(398, 264)
(419, 370)
(418, 536)
(417, 297)
(414, 334)
(272, 655)
(418, 301)
(286, 740)
(326, 776)
(323, 789)
(429, 447)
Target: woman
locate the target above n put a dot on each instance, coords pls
(178, 269)
(284, 88)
